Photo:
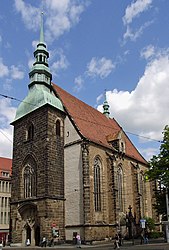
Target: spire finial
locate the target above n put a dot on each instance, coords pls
(105, 95)
(41, 29)
(106, 106)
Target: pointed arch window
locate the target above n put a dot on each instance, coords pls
(58, 131)
(120, 188)
(30, 132)
(29, 182)
(97, 184)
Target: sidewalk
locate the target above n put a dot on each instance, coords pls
(154, 244)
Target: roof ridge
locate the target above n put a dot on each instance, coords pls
(94, 125)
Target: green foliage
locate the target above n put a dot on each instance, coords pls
(159, 171)
(159, 165)
(160, 205)
(155, 235)
(150, 223)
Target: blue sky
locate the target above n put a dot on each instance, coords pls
(121, 46)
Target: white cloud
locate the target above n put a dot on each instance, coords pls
(16, 73)
(60, 16)
(99, 98)
(31, 62)
(99, 67)
(60, 63)
(6, 142)
(133, 35)
(7, 84)
(148, 52)
(9, 73)
(145, 109)
(4, 71)
(78, 84)
(29, 13)
(148, 152)
(34, 44)
(7, 113)
(134, 10)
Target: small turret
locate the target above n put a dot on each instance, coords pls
(106, 107)
(40, 72)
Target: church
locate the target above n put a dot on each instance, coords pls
(74, 168)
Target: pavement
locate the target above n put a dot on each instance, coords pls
(154, 244)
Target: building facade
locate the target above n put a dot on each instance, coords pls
(5, 194)
(74, 168)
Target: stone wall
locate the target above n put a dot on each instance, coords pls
(46, 150)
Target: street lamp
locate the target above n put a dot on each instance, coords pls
(130, 223)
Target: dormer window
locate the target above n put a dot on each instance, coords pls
(117, 141)
(115, 144)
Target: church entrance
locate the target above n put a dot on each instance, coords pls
(31, 229)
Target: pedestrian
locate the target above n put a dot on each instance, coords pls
(116, 242)
(142, 238)
(146, 238)
(1, 245)
(120, 239)
(44, 241)
(28, 242)
(78, 241)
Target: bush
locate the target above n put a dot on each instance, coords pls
(155, 235)
(150, 223)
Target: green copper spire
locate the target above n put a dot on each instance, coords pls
(106, 107)
(40, 72)
(41, 30)
(40, 87)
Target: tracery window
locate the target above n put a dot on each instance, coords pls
(141, 192)
(120, 188)
(29, 182)
(97, 184)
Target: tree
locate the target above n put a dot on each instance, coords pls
(159, 171)
(150, 223)
(160, 204)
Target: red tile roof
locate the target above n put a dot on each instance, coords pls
(5, 164)
(93, 125)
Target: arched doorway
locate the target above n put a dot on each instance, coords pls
(28, 212)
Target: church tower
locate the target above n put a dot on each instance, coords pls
(37, 195)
